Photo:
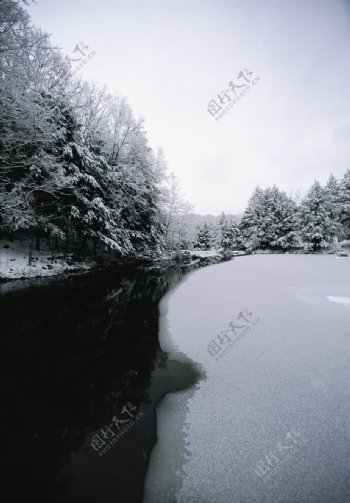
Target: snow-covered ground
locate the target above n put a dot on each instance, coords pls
(14, 262)
(270, 421)
(340, 300)
(204, 253)
(213, 253)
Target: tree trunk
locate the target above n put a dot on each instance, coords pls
(30, 252)
(83, 245)
(66, 244)
(37, 242)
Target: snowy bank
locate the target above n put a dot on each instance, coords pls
(14, 262)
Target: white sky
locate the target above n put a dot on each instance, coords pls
(170, 58)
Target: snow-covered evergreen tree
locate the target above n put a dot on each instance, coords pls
(249, 225)
(280, 223)
(333, 195)
(269, 220)
(344, 195)
(204, 238)
(317, 226)
(228, 232)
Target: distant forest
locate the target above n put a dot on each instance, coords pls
(272, 220)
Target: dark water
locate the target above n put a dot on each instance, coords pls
(79, 355)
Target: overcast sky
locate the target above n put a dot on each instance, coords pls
(171, 58)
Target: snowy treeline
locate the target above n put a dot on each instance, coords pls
(275, 221)
(75, 164)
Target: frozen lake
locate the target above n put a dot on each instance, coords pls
(270, 420)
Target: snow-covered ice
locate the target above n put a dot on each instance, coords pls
(290, 372)
(340, 300)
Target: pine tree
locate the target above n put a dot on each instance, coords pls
(249, 225)
(203, 240)
(317, 227)
(333, 195)
(280, 230)
(344, 213)
(269, 220)
(228, 232)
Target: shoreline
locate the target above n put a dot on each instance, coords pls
(60, 266)
(14, 266)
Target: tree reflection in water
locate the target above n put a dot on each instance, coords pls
(74, 353)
